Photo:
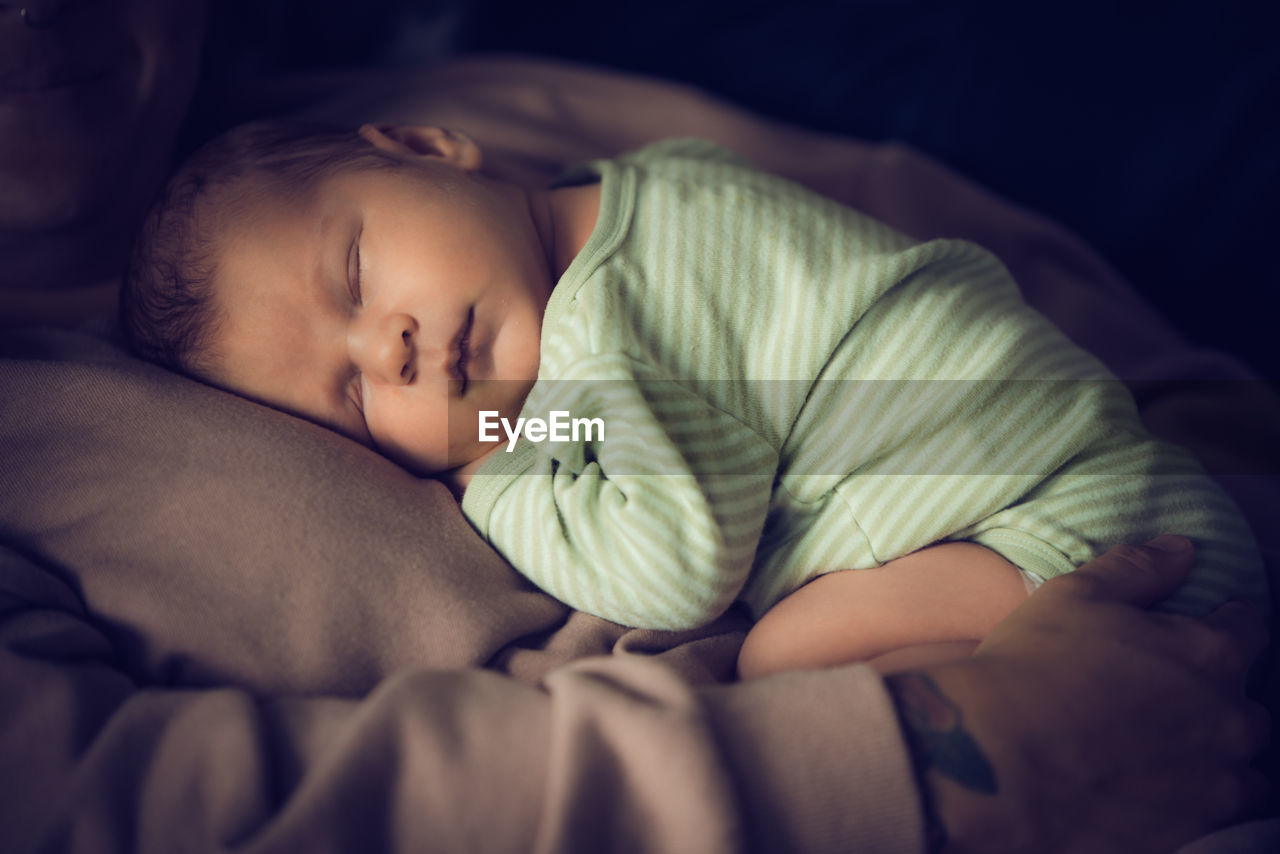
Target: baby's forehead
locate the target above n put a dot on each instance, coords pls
(258, 202)
(258, 192)
(256, 206)
(268, 225)
(255, 229)
(261, 191)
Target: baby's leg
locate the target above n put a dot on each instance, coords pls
(950, 592)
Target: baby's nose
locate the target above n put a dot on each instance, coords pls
(385, 350)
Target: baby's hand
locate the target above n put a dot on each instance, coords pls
(931, 605)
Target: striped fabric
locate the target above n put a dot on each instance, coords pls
(789, 388)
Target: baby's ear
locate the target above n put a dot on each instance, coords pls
(451, 146)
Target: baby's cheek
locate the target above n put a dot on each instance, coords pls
(412, 430)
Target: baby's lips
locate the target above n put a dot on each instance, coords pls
(462, 349)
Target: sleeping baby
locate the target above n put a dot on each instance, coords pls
(671, 383)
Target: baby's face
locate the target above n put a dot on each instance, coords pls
(391, 305)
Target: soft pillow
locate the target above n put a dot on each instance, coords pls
(248, 545)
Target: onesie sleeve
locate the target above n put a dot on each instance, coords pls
(655, 524)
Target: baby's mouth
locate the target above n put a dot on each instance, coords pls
(464, 355)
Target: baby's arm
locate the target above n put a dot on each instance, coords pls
(650, 523)
(919, 604)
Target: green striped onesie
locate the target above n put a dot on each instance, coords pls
(788, 387)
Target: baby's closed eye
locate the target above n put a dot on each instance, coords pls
(353, 272)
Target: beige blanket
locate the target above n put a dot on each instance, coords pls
(224, 627)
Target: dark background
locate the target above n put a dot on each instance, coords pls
(1150, 129)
